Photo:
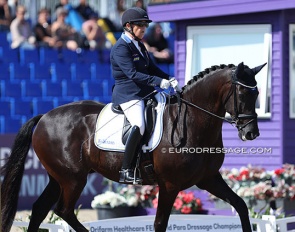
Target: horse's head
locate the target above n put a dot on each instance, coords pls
(241, 104)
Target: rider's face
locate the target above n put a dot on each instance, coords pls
(139, 28)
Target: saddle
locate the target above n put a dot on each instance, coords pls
(113, 128)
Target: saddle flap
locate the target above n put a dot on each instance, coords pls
(150, 115)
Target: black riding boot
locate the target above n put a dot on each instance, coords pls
(131, 150)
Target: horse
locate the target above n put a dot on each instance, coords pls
(61, 140)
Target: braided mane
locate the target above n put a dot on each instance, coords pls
(205, 73)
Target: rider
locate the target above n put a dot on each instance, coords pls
(135, 78)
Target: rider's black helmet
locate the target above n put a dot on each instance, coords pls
(135, 14)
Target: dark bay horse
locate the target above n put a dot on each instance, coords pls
(61, 141)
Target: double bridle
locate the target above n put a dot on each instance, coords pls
(237, 116)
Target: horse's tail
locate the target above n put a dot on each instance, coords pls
(13, 172)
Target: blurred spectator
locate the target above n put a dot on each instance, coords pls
(13, 5)
(94, 33)
(21, 31)
(62, 3)
(84, 10)
(73, 18)
(140, 4)
(42, 30)
(5, 15)
(157, 45)
(116, 15)
(64, 32)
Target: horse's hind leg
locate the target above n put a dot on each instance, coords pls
(218, 187)
(43, 204)
(70, 193)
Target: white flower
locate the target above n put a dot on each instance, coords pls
(235, 171)
(108, 198)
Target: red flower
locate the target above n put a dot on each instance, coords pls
(187, 198)
(244, 175)
(177, 204)
(186, 209)
(279, 171)
(155, 202)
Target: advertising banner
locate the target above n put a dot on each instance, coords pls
(176, 223)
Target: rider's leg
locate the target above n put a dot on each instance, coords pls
(134, 111)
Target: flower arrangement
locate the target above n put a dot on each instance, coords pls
(260, 184)
(144, 196)
(185, 203)
(116, 196)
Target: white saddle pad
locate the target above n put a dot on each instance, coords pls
(109, 125)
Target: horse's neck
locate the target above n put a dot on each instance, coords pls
(206, 93)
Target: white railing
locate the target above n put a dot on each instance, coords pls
(60, 226)
(283, 222)
(266, 224)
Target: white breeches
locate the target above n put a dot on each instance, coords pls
(134, 112)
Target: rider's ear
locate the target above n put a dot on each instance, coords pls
(258, 68)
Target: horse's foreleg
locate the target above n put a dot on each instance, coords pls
(165, 203)
(43, 204)
(71, 191)
(218, 187)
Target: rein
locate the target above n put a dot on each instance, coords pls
(237, 116)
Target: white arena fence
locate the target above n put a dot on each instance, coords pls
(179, 223)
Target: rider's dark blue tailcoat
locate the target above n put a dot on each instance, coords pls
(135, 75)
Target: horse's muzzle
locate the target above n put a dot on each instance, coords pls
(250, 132)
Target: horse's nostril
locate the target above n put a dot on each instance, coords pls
(251, 136)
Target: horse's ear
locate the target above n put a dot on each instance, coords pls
(240, 69)
(258, 68)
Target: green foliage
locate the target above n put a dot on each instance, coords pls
(52, 219)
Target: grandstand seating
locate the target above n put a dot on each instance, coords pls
(33, 82)
(5, 73)
(41, 71)
(69, 56)
(23, 108)
(80, 72)
(6, 107)
(12, 89)
(32, 89)
(61, 71)
(9, 55)
(19, 71)
(26, 56)
(49, 55)
(51, 89)
(3, 40)
(12, 124)
(73, 89)
(89, 56)
(41, 106)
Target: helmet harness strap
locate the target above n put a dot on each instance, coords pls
(131, 31)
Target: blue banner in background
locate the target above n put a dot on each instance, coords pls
(35, 178)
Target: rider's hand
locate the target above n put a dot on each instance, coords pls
(165, 84)
(174, 84)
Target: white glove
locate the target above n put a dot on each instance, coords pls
(174, 84)
(165, 84)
